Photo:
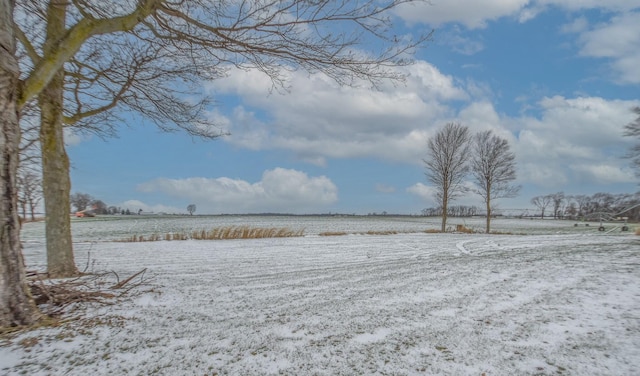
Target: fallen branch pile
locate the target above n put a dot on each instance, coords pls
(57, 297)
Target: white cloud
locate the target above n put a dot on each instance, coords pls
(72, 138)
(475, 14)
(471, 13)
(575, 5)
(576, 140)
(606, 172)
(578, 25)
(423, 191)
(280, 190)
(458, 42)
(319, 119)
(617, 40)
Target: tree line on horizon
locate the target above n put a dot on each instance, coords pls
(579, 207)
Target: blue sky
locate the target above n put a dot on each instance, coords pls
(557, 78)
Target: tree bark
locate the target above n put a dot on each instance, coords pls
(56, 183)
(445, 208)
(488, 230)
(16, 305)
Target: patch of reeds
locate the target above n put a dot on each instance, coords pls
(333, 233)
(464, 229)
(385, 232)
(370, 232)
(244, 232)
(220, 233)
(142, 238)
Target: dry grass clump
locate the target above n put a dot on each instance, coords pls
(386, 232)
(244, 232)
(432, 231)
(333, 233)
(464, 229)
(637, 231)
(220, 233)
(370, 232)
(141, 238)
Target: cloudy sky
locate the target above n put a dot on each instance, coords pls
(557, 78)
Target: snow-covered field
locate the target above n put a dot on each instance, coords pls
(560, 300)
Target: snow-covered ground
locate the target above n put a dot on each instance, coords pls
(562, 300)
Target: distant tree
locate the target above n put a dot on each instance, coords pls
(29, 191)
(493, 167)
(571, 210)
(191, 209)
(557, 199)
(99, 207)
(633, 130)
(581, 204)
(112, 210)
(81, 200)
(542, 203)
(601, 202)
(446, 164)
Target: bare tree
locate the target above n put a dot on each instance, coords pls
(542, 203)
(446, 164)
(16, 305)
(633, 130)
(80, 200)
(493, 167)
(557, 199)
(191, 209)
(581, 202)
(86, 60)
(29, 191)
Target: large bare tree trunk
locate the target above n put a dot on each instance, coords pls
(488, 230)
(56, 184)
(16, 305)
(445, 208)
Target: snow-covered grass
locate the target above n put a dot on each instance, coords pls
(562, 300)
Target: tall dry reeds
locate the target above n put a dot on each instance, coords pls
(221, 233)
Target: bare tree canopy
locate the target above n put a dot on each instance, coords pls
(446, 164)
(81, 200)
(200, 39)
(633, 130)
(493, 167)
(85, 62)
(29, 191)
(542, 203)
